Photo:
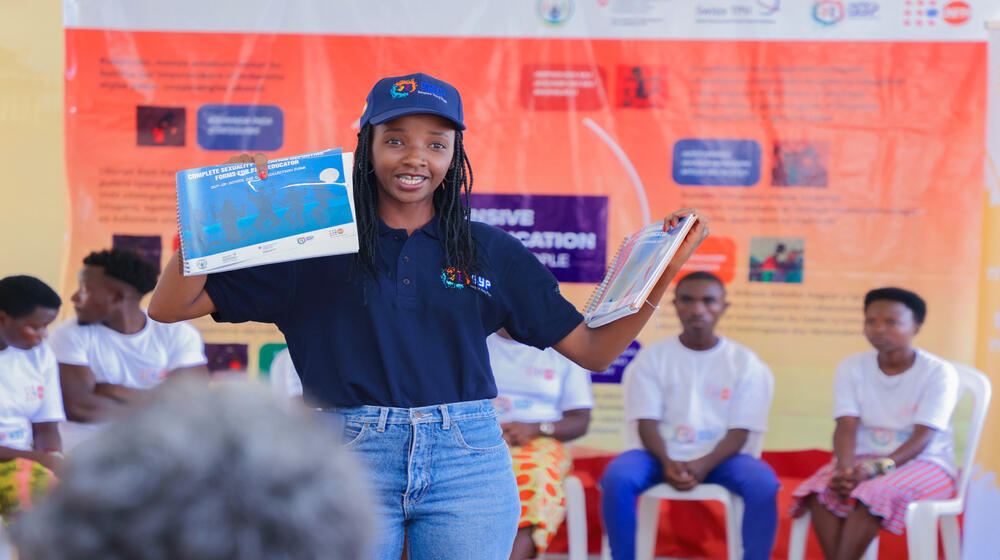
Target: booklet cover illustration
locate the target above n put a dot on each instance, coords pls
(229, 218)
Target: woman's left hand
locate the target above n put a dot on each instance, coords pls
(694, 237)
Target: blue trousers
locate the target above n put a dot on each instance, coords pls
(634, 471)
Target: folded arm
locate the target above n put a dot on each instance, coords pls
(82, 399)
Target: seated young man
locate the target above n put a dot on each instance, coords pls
(697, 408)
(111, 353)
(30, 404)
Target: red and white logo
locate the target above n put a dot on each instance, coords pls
(957, 13)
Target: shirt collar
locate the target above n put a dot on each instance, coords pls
(430, 228)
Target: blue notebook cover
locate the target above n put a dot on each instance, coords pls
(229, 218)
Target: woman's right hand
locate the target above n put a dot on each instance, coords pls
(844, 481)
(259, 160)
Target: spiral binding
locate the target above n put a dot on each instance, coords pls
(598, 294)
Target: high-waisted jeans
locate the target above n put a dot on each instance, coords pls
(440, 473)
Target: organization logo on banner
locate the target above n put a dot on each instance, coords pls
(920, 13)
(956, 13)
(832, 12)
(555, 12)
(768, 7)
(828, 12)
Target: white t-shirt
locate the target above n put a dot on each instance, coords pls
(698, 396)
(139, 360)
(535, 385)
(29, 394)
(890, 405)
(284, 379)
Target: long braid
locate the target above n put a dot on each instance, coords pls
(365, 205)
(451, 203)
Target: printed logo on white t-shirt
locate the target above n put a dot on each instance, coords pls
(34, 393)
(716, 392)
(907, 410)
(152, 376)
(503, 404)
(544, 373)
(15, 435)
(882, 438)
(687, 434)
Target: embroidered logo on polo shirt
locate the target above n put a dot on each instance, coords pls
(459, 280)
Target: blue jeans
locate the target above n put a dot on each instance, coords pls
(634, 471)
(441, 473)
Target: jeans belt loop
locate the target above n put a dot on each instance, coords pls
(445, 417)
(382, 417)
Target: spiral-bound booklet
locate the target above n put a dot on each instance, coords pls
(634, 271)
(229, 218)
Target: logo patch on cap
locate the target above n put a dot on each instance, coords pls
(402, 88)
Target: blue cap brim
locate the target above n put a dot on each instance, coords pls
(403, 111)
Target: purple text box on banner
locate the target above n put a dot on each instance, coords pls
(614, 373)
(568, 234)
(247, 128)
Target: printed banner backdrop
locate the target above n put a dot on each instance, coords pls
(840, 153)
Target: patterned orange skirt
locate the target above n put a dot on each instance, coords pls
(22, 483)
(540, 467)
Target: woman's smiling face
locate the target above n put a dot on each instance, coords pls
(411, 155)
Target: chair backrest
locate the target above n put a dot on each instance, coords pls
(978, 385)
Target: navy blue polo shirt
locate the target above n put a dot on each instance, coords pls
(421, 338)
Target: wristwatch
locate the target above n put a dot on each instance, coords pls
(877, 467)
(884, 465)
(547, 428)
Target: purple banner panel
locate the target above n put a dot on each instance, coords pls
(568, 234)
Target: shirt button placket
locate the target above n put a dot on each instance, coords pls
(406, 271)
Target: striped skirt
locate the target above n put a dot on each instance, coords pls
(885, 496)
(540, 467)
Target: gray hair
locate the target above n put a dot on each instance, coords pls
(205, 473)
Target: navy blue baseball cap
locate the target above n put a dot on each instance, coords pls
(411, 94)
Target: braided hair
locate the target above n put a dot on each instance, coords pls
(451, 205)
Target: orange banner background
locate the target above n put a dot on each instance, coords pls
(897, 126)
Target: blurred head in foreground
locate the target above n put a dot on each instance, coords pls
(205, 473)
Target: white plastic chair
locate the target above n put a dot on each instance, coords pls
(649, 518)
(922, 516)
(649, 515)
(576, 519)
